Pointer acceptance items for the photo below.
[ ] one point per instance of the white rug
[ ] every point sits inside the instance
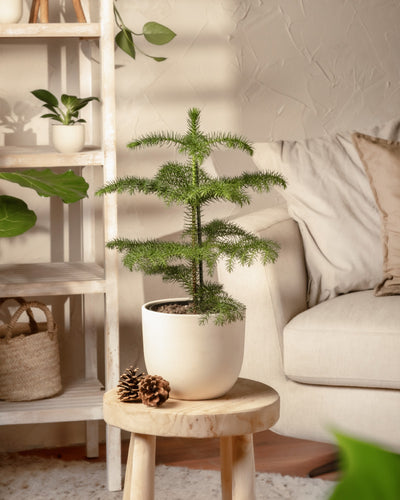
(32, 478)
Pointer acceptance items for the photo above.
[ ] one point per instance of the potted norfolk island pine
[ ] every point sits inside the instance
(196, 342)
(68, 133)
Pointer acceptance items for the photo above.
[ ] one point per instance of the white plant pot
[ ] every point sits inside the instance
(199, 361)
(68, 138)
(10, 11)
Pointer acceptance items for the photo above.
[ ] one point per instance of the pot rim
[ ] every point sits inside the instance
(70, 125)
(146, 307)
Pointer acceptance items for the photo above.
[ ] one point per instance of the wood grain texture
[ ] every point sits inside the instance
(50, 30)
(247, 408)
(46, 156)
(55, 278)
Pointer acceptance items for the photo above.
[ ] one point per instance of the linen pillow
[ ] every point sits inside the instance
(381, 160)
(330, 197)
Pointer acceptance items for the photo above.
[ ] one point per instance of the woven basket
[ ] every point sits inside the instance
(29, 357)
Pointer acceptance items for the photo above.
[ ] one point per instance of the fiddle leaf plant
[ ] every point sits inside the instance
(191, 261)
(15, 216)
(68, 114)
(154, 33)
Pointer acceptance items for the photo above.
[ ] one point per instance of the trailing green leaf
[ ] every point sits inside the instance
(157, 34)
(154, 33)
(124, 41)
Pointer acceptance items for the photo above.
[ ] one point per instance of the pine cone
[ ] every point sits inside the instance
(153, 390)
(128, 385)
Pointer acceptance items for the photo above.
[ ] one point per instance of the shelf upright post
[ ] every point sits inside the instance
(110, 232)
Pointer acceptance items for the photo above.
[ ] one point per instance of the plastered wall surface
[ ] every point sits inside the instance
(265, 69)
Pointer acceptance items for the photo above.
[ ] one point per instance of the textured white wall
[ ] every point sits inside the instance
(267, 69)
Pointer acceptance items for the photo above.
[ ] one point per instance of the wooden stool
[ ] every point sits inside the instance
(249, 407)
(43, 6)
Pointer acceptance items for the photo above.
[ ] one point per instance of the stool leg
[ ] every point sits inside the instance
(243, 469)
(226, 467)
(128, 473)
(140, 468)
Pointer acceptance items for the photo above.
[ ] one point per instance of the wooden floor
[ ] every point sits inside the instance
(273, 453)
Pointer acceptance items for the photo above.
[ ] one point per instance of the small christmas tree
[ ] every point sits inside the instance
(188, 261)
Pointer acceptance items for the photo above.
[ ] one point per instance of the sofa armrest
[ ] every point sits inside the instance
(273, 293)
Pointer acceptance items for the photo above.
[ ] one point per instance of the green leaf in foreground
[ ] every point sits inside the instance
(67, 186)
(15, 217)
(157, 34)
(369, 472)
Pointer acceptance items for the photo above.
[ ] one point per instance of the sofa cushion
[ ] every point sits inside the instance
(351, 340)
(329, 196)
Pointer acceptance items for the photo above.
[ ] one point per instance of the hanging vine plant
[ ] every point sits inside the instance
(153, 32)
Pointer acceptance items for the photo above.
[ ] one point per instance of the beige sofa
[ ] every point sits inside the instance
(336, 365)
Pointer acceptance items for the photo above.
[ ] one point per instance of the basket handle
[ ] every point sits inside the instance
(32, 322)
(51, 326)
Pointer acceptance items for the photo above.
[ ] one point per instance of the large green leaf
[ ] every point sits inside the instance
(157, 34)
(369, 472)
(15, 217)
(68, 186)
(74, 104)
(45, 96)
(124, 41)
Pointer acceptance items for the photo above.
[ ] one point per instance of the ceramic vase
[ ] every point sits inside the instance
(10, 11)
(68, 138)
(199, 361)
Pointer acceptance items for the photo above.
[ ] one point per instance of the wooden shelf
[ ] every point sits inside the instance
(46, 156)
(55, 278)
(80, 400)
(50, 30)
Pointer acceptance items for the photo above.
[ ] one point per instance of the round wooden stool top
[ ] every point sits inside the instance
(247, 408)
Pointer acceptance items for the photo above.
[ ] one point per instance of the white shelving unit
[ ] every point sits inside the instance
(81, 400)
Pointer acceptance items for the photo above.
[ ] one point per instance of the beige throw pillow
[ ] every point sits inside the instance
(330, 197)
(381, 159)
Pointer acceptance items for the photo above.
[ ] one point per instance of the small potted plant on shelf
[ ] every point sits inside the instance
(196, 343)
(68, 134)
(10, 11)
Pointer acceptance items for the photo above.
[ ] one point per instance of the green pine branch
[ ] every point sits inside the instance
(189, 261)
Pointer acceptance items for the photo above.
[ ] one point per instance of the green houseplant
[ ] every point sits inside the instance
(68, 135)
(191, 261)
(15, 216)
(154, 33)
(368, 471)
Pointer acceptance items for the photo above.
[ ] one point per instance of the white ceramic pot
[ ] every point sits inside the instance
(68, 138)
(199, 361)
(10, 11)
